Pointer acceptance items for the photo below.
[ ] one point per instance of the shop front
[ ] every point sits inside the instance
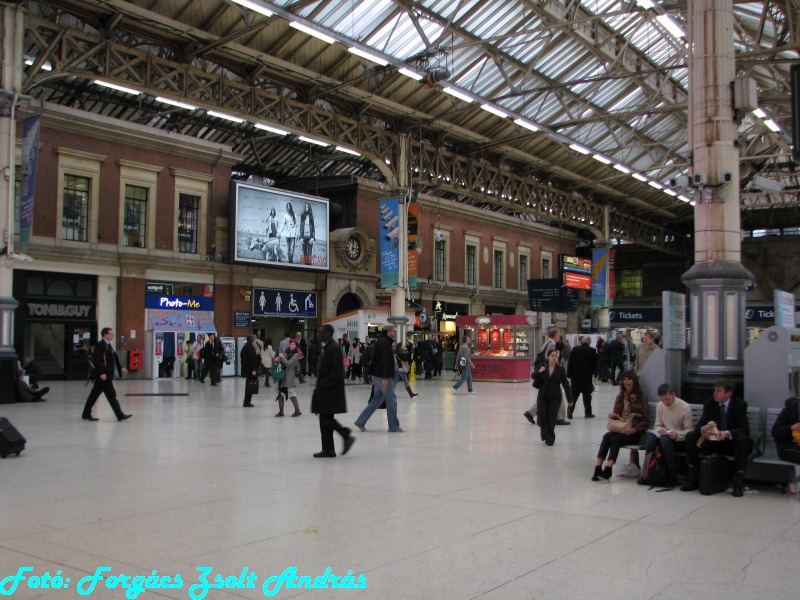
(502, 345)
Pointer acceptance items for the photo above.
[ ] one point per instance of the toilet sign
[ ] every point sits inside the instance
(284, 303)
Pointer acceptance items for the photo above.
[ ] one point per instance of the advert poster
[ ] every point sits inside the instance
(599, 277)
(278, 228)
(389, 219)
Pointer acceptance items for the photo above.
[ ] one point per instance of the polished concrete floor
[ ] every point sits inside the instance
(468, 503)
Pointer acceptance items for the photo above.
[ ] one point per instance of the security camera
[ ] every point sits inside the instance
(727, 177)
(699, 179)
(681, 182)
(20, 257)
(769, 186)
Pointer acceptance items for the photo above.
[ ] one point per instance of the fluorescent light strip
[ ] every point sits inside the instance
(760, 113)
(670, 193)
(411, 74)
(116, 87)
(456, 93)
(772, 125)
(622, 168)
(526, 124)
(255, 7)
(671, 25)
(347, 151)
(494, 110)
(46, 66)
(371, 57)
(579, 148)
(220, 115)
(684, 198)
(645, 4)
(270, 129)
(601, 158)
(639, 176)
(312, 32)
(176, 103)
(313, 141)
(655, 184)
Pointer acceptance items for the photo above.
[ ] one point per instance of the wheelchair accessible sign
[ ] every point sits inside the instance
(284, 303)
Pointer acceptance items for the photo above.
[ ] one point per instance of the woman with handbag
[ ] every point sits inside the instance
(549, 380)
(630, 418)
(286, 388)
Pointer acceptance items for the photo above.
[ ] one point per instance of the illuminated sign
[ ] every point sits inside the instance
(178, 302)
(578, 281)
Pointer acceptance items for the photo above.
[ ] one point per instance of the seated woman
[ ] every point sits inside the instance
(786, 431)
(630, 400)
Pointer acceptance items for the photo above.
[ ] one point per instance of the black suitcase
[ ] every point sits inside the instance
(11, 440)
(715, 474)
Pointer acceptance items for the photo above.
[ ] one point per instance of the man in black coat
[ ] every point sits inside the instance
(250, 361)
(580, 369)
(212, 359)
(328, 398)
(105, 362)
(383, 369)
(615, 350)
(729, 416)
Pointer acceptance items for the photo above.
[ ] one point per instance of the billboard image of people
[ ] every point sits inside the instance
(276, 227)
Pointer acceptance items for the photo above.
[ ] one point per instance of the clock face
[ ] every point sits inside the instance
(353, 249)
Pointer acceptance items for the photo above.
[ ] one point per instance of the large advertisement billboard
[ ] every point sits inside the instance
(273, 227)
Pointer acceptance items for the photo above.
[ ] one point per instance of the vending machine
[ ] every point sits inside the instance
(229, 366)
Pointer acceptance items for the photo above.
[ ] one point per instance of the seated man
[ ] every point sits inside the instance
(26, 393)
(786, 431)
(723, 429)
(33, 371)
(673, 423)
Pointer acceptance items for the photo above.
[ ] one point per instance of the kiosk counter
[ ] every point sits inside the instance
(501, 345)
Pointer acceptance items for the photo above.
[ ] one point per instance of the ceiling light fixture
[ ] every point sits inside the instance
(312, 32)
(270, 129)
(347, 151)
(639, 176)
(526, 124)
(313, 141)
(601, 158)
(116, 87)
(494, 110)
(259, 8)
(622, 168)
(412, 74)
(579, 148)
(456, 93)
(227, 117)
(176, 103)
(369, 56)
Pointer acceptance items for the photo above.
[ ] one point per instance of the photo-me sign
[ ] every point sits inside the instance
(59, 310)
(284, 303)
(179, 302)
(180, 313)
(274, 227)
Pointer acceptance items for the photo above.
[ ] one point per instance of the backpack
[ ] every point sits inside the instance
(654, 469)
(277, 372)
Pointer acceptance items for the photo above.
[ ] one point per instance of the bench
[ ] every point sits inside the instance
(697, 411)
(768, 466)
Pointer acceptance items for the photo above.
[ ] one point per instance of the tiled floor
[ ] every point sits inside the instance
(468, 503)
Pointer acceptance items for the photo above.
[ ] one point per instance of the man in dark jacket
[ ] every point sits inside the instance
(366, 359)
(106, 363)
(383, 369)
(615, 350)
(250, 361)
(212, 359)
(722, 429)
(783, 431)
(328, 398)
(580, 370)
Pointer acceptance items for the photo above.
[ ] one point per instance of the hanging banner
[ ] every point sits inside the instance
(599, 276)
(413, 259)
(673, 306)
(389, 219)
(30, 161)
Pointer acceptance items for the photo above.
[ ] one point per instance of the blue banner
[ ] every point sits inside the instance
(599, 276)
(167, 302)
(284, 303)
(30, 163)
(389, 219)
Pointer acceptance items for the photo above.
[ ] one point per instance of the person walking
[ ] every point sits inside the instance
(382, 372)
(549, 380)
(193, 362)
(250, 360)
(465, 364)
(403, 361)
(580, 370)
(354, 356)
(289, 360)
(106, 363)
(302, 347)
(267, 358)
(329, 397)
(212, 357)
(553, 338)
(313, 358)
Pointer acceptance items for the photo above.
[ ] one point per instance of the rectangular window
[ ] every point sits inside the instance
(523, 272)
(188, 209)
(438, 260)
(629, 283)
(546, 268)
(498, 268)
(470, 263)
(135, 222)
(75, 211)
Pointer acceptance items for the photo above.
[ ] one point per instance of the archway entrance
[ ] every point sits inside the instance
(348, 303)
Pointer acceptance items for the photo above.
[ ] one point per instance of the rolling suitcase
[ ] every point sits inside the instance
(715, 474)
(11, 440)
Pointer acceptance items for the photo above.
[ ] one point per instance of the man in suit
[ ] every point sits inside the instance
(250, 361)
(728, 416)
(580, 370)
(328, 398)
(212, 359)
(106, 363)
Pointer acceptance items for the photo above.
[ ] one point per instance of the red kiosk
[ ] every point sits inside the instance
(502, 345)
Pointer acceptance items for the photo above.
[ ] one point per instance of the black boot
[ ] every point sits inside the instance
(410, 393)
(597, 471)
(691, 483)
(738, 484)
(606, 474)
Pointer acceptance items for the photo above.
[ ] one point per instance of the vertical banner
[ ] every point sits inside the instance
(611, 280)
(673, 317)
(389, 219)
(30, 162)
(413, 232)
(784, 308)
(599, 276)
(413, 259)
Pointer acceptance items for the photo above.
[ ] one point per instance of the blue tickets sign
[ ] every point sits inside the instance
(284, 303)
